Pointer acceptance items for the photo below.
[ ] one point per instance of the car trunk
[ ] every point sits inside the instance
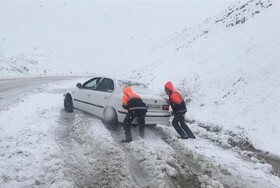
(154, 103)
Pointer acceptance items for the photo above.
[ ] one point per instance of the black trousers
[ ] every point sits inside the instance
(182, 129)
(140, 114)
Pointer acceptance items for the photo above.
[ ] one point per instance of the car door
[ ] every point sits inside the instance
(82, 95)
(100, 96)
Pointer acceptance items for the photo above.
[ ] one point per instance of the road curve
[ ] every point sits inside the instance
(11, 89)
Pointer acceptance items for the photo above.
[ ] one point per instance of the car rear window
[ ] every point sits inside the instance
(124, 83)
(135, 86)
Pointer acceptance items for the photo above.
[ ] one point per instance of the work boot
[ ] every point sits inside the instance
(185, 137)
(128, 136)
(181, 132)
(187, 130)
(126, 141)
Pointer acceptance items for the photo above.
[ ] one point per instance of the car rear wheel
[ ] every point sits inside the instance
(110, 117)
(68, 103)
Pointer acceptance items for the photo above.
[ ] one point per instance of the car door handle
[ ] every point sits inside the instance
(88, 95)
(106, 97)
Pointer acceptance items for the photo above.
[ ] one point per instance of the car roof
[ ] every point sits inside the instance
(118, 78)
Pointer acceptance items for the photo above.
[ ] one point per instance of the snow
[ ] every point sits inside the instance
(29, 153)
(231, 73)
(227, 67)
(42, 145)
(229, 162)
(91, 36)
(21, 65)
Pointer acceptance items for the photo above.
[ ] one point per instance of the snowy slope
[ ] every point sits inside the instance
(229, 66)
(32, 65)
(21, 65)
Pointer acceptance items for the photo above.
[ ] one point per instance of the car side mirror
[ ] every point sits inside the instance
(79, 85)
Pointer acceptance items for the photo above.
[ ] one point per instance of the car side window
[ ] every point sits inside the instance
(92, 84)
(106, 85)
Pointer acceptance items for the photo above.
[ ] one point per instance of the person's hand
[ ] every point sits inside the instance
(172, 113)
(168, 101)
(124, 106)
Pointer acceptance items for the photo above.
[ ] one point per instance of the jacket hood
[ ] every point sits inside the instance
(127, 90)
(169, 86)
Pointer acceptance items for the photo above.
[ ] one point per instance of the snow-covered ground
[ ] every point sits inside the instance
(43, 146)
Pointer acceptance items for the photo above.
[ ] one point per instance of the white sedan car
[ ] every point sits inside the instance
(102, 97)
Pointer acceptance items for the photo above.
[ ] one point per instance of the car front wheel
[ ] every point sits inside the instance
(68, 103)
(110, 117)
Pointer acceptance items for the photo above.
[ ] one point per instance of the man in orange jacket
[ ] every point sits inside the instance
(178, 106)
(136, 108)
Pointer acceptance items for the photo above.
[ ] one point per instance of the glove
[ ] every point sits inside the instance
(124, 106)
(172, 113)
(168, 101)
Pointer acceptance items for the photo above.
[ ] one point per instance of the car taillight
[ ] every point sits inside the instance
(165, 107)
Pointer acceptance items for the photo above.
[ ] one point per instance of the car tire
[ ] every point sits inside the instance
(110, 117)
(68, 103)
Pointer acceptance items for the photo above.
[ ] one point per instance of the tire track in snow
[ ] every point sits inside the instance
(191, 162)
(225, 166)
(210, 175)
(238, 142)
(138, 173)
(93, 162)
(153, 157)
(92, 158)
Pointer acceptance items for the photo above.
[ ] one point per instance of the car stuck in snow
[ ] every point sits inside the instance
(102, 97)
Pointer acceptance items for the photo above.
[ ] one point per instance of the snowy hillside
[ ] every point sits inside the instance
(229, 66)
(20, 65)
(23, 65)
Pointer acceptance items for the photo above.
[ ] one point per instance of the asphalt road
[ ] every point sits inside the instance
(10, 89)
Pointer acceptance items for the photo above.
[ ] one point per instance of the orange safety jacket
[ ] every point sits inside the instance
(132, 101)
(128, 95)
(177, 102)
